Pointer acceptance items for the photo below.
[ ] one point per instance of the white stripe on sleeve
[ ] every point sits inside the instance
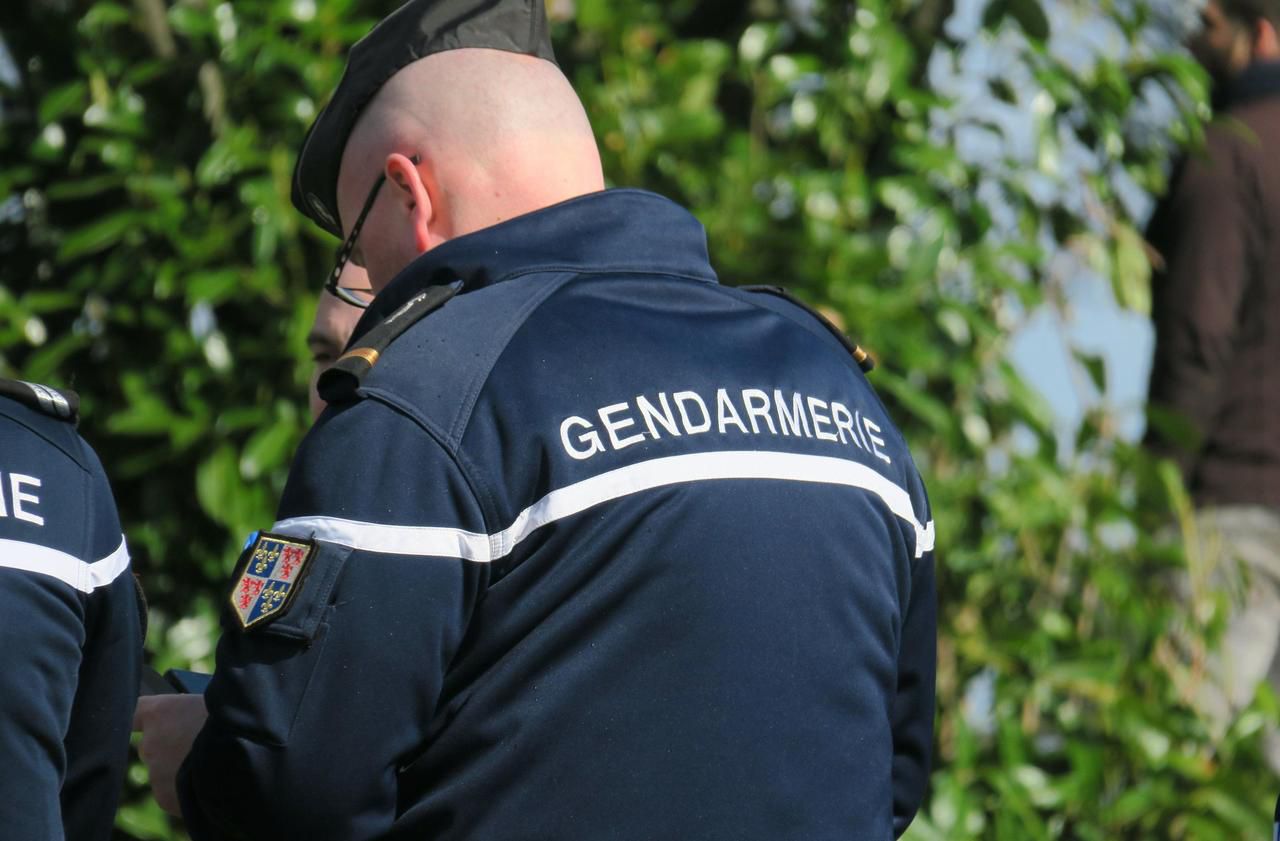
(614, 484)
(85, 577)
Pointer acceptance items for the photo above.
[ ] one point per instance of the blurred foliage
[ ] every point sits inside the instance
(149, 258)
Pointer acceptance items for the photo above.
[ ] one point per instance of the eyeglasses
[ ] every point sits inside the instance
(331, 286)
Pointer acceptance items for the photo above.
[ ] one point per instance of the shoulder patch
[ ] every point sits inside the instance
(58, 403)
(271, 573)
(339, 382)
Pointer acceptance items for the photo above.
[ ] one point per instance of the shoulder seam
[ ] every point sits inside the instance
(91, 513)
(74, 458)
(826, 336)
(466, 406)
(463, 419)
(478, 494)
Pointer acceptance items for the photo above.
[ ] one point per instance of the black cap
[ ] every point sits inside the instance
(416, 30)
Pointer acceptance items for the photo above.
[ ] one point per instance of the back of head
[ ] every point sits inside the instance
(459, 106)
(496, 130)
(1248, 13)
(1234, 35)
(492, 135)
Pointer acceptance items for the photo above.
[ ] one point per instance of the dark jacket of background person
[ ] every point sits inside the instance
(1217, 304)
(603, 549)
(70, 634)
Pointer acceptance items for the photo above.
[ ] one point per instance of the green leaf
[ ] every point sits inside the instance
(1096, 366)
(98, 235)
(1132, 274)
(62, 102)
(213, 287)
(84, 187)
(933, 412)
(1028, 14)
(1240, 816)
(268, 449)
(145, 821)
(230, 155)
(218, 483)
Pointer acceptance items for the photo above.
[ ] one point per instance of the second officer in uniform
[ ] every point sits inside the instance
(70, 626)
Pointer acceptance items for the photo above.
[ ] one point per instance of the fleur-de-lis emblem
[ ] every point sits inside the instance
(271, 575)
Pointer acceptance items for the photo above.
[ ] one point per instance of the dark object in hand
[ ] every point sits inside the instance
(173, 681)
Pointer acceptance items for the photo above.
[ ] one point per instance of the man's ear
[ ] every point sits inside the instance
(1266, 44)
(413, 197)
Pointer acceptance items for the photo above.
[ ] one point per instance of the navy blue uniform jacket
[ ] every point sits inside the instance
(70, 635)
(606, 551)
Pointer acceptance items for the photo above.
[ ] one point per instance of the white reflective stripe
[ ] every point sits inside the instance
(393, 540)
(85, 577)
(624, 481)
(924, 539)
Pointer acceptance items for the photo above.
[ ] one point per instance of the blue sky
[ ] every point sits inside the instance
(1002, 140)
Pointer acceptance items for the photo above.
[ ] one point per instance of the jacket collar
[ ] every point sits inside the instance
(611, 231)
(1259, 80)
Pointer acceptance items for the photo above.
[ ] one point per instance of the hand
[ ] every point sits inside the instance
(169, 724)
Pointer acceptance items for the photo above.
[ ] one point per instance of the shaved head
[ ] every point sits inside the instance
(495, 134)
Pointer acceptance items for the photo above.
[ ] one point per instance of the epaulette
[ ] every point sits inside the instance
(55, 402)
(339, 383)
(864, 360)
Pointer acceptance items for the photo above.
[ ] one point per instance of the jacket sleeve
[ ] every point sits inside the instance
(97, 739)
(914, 702)
(59, 544)
(312, 715)
(41, 630)
(1209, 241)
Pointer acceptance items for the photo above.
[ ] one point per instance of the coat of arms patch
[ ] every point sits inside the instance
(273, 568)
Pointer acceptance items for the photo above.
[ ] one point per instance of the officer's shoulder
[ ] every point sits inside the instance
(438, 348)
(56, 403)
(47, 412)
(783, 302)
(341, 382)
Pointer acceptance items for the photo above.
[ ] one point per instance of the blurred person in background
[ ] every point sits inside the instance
(1214, 393)
(334, 322)
(71, 626)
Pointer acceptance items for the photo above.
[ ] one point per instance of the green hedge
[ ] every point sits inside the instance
(149, 258)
